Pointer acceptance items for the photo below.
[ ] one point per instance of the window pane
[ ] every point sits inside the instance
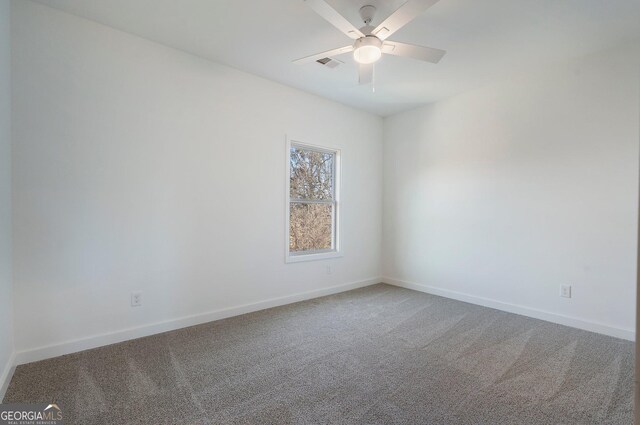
(311, 174)
(310, 227)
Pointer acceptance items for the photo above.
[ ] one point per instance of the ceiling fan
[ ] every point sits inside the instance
(371, 42)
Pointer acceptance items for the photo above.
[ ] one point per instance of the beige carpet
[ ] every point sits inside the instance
(377, 355)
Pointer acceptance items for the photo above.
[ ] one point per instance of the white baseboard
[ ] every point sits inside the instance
(68, 347)
(574, 322)
(7, 374)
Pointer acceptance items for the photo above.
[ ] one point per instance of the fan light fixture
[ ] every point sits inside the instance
(367, 50)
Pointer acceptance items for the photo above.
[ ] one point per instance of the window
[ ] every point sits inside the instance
(312, 204)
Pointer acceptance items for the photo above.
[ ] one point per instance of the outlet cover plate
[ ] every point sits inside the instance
(565, 291)
(136, 299)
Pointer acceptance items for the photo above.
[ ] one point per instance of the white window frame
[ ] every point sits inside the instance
(295, 257)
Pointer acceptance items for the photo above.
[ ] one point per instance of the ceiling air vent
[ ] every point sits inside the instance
(331, 63)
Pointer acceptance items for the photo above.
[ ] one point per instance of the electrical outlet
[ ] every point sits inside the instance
(136, 299)
(329, 269)
(565, 291)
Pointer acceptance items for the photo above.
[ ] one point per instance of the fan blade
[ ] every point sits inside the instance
(327, 54)
(427, 54)
(365, 74)
(337, 20)
(405, 14)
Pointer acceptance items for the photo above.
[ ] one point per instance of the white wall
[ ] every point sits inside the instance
(6, 297)
(507, 192)
(138, 167)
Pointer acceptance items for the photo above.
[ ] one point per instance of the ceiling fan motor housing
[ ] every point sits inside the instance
(369, 40)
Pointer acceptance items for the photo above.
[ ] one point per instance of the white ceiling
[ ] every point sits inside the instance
(486, 40)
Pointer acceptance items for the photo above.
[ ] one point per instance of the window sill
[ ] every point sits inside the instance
(312, 257)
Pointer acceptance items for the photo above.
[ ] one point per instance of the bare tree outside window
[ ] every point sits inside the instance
(312, 200)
